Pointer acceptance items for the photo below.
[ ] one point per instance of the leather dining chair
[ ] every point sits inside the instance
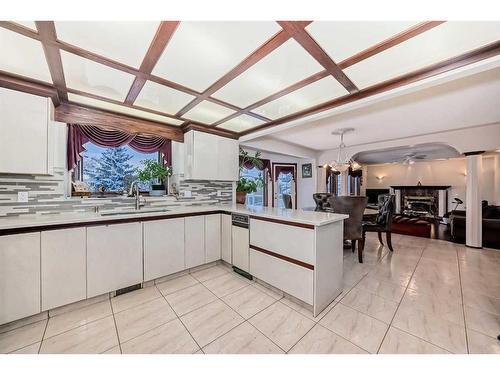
(287, 200)
(383, 222)
(322, 201)
(353, 231)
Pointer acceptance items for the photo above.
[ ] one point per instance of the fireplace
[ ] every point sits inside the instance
(421, 201)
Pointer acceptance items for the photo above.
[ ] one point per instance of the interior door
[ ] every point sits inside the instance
(284, 182)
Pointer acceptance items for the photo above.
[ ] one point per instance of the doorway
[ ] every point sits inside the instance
(284, 182)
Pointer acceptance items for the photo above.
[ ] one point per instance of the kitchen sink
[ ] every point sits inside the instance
(133, 212)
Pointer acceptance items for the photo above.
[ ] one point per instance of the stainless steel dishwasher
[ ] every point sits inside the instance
(240, 237)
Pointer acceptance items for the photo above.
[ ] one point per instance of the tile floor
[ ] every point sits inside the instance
(429, 296)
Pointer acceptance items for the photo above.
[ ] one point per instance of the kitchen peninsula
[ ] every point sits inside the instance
(298, 252)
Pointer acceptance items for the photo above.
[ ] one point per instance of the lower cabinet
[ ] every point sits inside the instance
(19, 276)
(194, 230)
(64, 268)
(212, 238)
(114, 257)
(163, 247)
(226, 248)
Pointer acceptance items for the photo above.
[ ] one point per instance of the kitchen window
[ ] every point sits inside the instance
(257, 198)
(113, 168)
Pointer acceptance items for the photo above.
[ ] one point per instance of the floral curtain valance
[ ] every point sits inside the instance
(266, 165)
(285, 169)
(78, 135)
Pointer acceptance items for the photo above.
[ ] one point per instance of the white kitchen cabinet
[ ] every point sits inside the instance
(163, 247)
(114, 257)
(226, 248)
(240, 246)
(210, 157)
(212, 238)
(63, 267)
(19, 276)
(194, 231)
(26, 127)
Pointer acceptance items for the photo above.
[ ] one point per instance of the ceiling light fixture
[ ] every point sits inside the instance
(343, 163)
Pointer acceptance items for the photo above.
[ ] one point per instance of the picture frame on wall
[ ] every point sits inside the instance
(307, 170)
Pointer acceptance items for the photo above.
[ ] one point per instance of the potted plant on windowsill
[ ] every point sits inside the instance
(155, 174)
(245, 185)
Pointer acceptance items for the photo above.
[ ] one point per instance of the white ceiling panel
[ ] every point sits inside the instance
(122, 109)
(318, 92)
(88, 76)
(125, 42)
(241, 123)
(162, 98)
(23, 56)
(440, 43)
(208, 112)
(283, 67)
(343, 39)
(28, 24)
(199, 53)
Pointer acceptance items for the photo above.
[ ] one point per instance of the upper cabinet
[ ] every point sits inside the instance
(210, 157)
(26, 144)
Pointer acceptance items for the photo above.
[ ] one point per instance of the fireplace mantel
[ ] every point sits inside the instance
(430, 187)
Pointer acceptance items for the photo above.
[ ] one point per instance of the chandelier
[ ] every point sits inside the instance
(343, 163)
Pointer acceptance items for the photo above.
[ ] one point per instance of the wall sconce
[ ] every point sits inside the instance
(379, 178)
(464, 174)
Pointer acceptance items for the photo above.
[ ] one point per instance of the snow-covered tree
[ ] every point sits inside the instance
(111, 170)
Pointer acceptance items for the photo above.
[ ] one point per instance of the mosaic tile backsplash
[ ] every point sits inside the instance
(46, 196)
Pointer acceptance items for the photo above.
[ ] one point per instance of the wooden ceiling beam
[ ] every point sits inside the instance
(47, 32)
(490, 50)
(297, 31)
(27, 85)
(264, 50)
(156, 48)
(210, 130)
(80, 114)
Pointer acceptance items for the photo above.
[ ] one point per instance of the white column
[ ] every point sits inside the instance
(473, 223)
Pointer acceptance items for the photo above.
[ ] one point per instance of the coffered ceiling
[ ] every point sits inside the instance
(233, 77)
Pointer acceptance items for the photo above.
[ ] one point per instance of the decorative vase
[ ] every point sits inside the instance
(241, 197)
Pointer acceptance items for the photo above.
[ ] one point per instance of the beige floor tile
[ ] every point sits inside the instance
(430, 327)
(189, 299)
(170, 338)
(76, 318)
(23, 322)
(78, 305)
(174, 285)
(248, 301)
(132, 299)
(96, 337)
(396, 275)
(211, 321)
(226, 284)
(320, 340)
(113, 350)
(436, 288)
(384, 289)
(21, 337)
(482, 321)
(482, 344)
(482, 302)
(359, 328)
(283, 325)
(210, 273)
(244, 339)
(370, 304)
(400, 342)
(448, 309)
(306, 310)
(270, 291)
(30, 349)
(137, 320)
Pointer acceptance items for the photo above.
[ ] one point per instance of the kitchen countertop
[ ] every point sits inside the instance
(63, 219)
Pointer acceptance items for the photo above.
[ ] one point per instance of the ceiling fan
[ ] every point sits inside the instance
(411, 157)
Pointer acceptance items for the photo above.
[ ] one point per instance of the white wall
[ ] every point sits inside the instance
(446, 172)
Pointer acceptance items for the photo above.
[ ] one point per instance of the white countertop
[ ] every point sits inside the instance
(296, 216)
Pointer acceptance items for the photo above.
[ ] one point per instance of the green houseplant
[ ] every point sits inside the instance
(154, 173)
(245, 185)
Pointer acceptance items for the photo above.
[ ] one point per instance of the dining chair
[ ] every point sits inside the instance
(383, 222)
(321, 200)
(354, 207)
(287, 200)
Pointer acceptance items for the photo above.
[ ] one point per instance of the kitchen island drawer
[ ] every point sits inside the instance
(291, 278)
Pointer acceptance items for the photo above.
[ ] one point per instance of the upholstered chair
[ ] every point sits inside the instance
(383, 223)
(355, 208)
(322, 201)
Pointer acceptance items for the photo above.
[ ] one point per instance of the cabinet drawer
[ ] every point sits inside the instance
(291, 241)
(291, 278)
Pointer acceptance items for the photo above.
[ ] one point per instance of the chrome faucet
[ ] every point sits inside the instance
(134, 192)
